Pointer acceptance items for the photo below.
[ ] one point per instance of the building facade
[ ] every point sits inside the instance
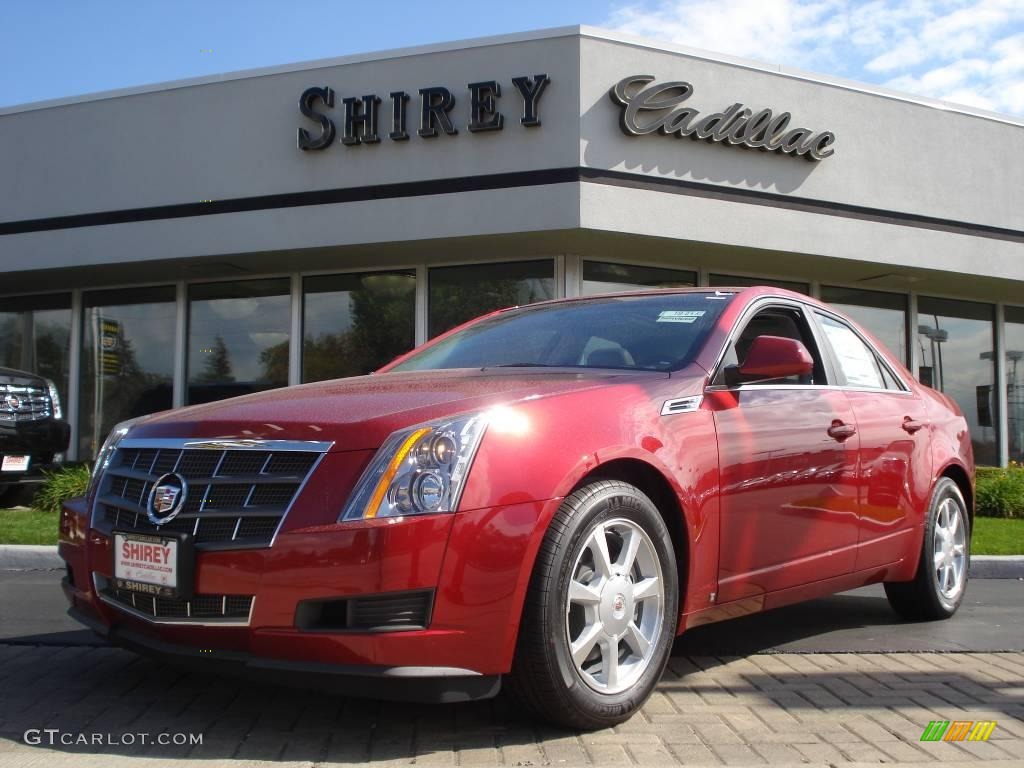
(181, 243)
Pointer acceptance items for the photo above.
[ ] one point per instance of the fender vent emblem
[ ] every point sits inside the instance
(681, 405)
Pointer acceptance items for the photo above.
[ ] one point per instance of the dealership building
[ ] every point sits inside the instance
(190, 241)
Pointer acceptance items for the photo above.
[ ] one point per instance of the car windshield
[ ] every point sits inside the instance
(649, 332)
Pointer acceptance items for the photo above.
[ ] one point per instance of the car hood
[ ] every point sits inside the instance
(20, 378)
(359, 413)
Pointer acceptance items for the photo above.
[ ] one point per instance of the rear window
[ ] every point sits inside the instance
(657, 332)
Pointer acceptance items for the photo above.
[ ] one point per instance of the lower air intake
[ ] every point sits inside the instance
(391, 612)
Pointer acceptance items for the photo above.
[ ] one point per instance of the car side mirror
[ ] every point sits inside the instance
(771, 357)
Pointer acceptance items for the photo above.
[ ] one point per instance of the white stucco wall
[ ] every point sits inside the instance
(234, 137)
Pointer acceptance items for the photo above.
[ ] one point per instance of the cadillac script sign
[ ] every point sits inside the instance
(659, 108)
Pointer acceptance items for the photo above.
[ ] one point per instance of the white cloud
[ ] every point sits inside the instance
(966, 51)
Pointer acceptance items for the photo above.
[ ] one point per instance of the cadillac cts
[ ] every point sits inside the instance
(545, 496)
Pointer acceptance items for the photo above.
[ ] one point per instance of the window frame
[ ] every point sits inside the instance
(716, 377)
(880, 360)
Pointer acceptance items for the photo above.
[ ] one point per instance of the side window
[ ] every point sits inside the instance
(786, 322)
(856, 359)
(889, 379)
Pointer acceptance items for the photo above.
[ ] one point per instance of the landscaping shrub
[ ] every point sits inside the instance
(60, 486)
(1000, 492)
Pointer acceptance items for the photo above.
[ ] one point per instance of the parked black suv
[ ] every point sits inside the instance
(32, 431)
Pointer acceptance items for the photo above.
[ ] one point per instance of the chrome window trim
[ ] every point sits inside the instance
(765, 302)
(878, 355)
(761, 302)
(189, 622)
(816, 387)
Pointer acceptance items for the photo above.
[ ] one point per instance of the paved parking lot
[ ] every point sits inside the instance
(771, 708)
(734, 694)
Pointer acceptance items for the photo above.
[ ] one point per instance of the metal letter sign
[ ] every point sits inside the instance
(437, 108)
(650, 108)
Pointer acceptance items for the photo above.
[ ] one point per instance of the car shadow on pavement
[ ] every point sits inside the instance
(788, 626)
(113, 693)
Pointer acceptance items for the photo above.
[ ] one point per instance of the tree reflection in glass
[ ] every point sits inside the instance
(355, 323)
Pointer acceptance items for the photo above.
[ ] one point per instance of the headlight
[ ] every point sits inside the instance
(107, 452)
(54, 400)
(418, 471)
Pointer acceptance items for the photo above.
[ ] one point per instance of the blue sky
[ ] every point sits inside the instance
(965, 51)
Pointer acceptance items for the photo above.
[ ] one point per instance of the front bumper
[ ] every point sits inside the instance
(473, 562)
(413, 684)
(42, 440)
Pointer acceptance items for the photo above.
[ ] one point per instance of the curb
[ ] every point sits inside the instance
(26, 557)
(997, 567)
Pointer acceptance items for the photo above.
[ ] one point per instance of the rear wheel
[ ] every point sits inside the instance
(938, 588)
(601, 613)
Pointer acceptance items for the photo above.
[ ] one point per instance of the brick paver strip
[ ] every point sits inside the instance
(783, 709)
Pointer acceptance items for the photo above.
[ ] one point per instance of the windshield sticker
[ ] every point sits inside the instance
(680, 315)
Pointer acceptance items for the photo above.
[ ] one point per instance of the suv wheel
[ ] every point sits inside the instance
(938, 588)
(602, 609)
(11, 496)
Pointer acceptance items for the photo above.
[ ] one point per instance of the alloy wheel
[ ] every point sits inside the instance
(614, 606)
(950, 549)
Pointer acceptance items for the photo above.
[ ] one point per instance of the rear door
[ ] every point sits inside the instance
(788, 460)
(895, 464)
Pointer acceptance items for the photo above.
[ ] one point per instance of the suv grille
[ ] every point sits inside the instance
(236, 497)
(19, 404)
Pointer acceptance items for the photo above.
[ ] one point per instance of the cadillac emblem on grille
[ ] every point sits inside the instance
(167, 498)
(13, 402)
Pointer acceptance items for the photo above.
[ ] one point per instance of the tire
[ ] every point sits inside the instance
(940, 583)
(609, 610)
(12, 496)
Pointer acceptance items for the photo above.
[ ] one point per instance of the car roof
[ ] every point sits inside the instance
(746, 292)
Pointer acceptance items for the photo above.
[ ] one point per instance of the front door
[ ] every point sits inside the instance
(788, 462)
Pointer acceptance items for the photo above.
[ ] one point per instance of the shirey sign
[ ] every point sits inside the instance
(648, 108)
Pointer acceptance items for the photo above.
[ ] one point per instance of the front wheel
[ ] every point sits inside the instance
(12, 496)
(602, 609)
(938, 588)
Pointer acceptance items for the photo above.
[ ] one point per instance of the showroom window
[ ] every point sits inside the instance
(728, 281)
(127, 360)
(955, 341)
(884, 315)
(1014, 324)
(238, 338)
(605, 277)
(354, 324)
(458, 294)
(35, 336)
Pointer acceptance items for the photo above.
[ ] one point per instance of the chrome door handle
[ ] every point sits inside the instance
(840, 431)
(911, 425)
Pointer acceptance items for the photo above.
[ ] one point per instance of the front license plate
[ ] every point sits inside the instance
(15, 464)
(157, 564)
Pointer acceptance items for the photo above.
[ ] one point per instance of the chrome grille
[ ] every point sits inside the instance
(237, 496)
(19, 403)
(213, 609)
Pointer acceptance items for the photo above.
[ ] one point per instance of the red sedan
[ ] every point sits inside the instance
(547, 495)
